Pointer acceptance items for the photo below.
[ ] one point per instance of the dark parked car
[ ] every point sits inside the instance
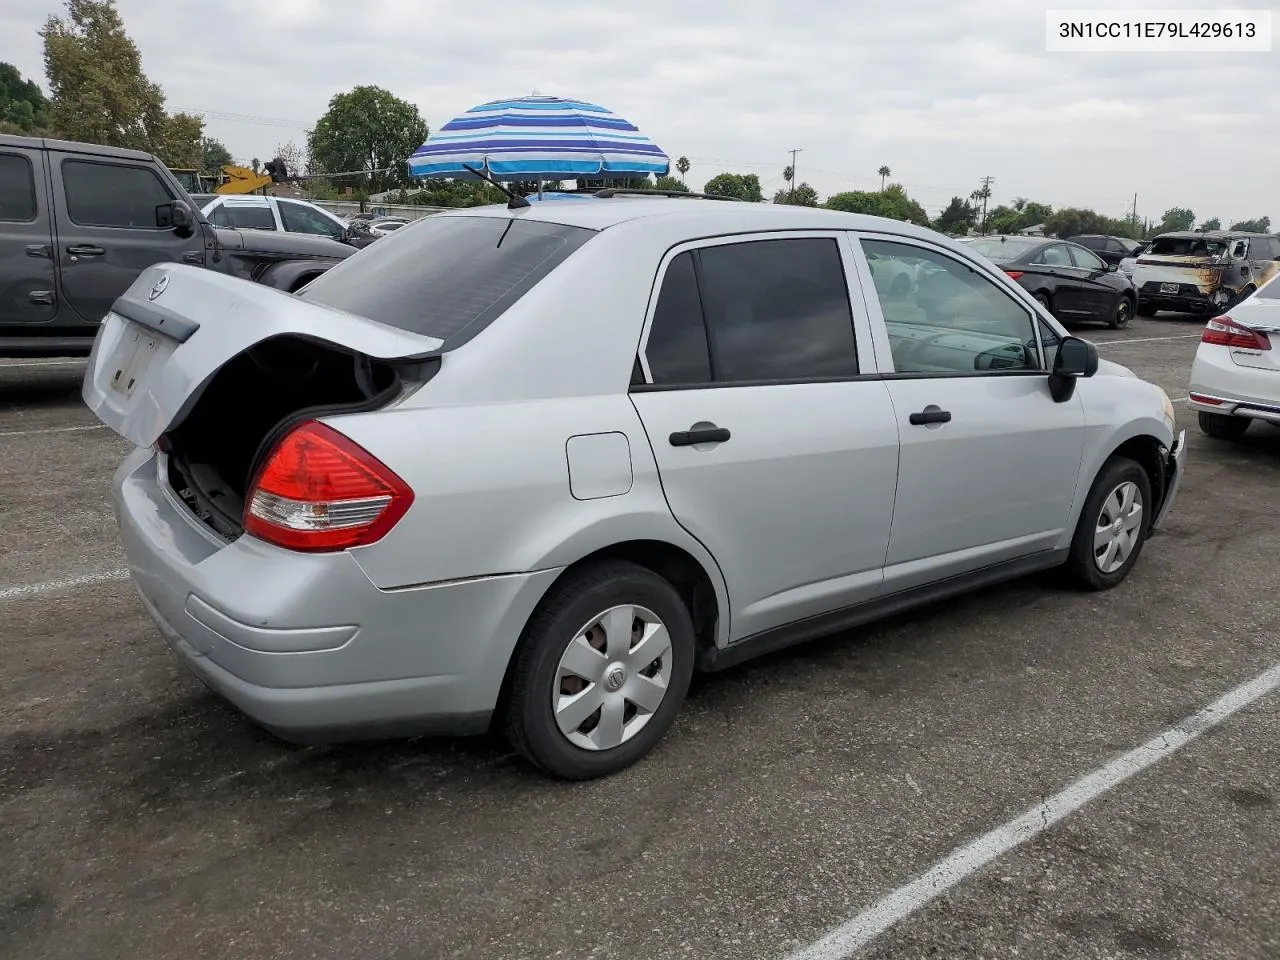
(79, 222)
(1110, 249)
(1070, 281)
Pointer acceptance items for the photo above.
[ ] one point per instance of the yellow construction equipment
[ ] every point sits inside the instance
(242, 180)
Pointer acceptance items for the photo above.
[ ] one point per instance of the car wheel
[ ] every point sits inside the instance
(1222, 426)
(1146, 310)
(1122, 314)
(1113, 526)
(601, 671)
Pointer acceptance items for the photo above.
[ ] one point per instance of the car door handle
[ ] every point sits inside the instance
(194, 256)
(687, 438)
(85, 250)
(930, 414)
(40, 250)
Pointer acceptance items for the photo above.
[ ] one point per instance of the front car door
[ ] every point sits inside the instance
(301, 218)
(107, 228)
(27, 281)
(774, 437)
(989, 461)
(1097, 290)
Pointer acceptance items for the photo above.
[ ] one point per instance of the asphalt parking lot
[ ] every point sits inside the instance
(142, 817)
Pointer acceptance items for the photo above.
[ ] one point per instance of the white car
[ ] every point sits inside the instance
(274, 213)
(1235, 378)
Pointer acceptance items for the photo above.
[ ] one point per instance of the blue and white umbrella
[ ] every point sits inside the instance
(538, 138)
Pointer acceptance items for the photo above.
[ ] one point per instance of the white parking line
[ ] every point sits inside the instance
(860, 930)
(1181, 336)
(53, 586)
(45, 363)
(27, 433)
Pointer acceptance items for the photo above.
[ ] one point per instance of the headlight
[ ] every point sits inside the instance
(1168, 407)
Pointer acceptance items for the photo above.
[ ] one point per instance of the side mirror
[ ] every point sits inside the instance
(1112, 267)
(1076, 358)
(176, 216)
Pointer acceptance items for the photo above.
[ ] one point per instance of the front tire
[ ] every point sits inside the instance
(1113, 526)
(1221, 426)
(601, 671)
(1146, 310)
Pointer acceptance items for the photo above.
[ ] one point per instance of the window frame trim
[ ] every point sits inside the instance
(1102, 264)
(100, 162)
(999, 280)
(864, 354)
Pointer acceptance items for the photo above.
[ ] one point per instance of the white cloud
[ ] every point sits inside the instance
(943, 92)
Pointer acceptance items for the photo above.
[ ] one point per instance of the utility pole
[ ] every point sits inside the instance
(794, 151)
(1134, 216)
(985, 193)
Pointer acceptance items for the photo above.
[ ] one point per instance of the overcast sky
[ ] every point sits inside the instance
(942, 91)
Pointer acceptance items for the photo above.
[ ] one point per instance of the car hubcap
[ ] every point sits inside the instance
(612, 678)
(1118, 528)
(1122, 313)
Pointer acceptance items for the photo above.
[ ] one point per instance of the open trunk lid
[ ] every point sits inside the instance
(177, 325)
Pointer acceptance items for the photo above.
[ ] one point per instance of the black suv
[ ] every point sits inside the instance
(1110, 249)
(79, 222)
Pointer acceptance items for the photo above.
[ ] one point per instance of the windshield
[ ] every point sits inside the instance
(1005, 248)
(1187, 247)
(447, 277)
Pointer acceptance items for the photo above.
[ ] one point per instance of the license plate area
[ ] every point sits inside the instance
(1170, 287)
(130, 359)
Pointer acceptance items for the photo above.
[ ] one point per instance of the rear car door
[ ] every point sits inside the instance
(773, 435)
(27, 280)
(1264, 252)
(1097, 294)
(107, 228)
(989, 460)
(1068, 293)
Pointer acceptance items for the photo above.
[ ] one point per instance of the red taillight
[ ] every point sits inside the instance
(1225, 332)
(1014, 274)
(318, 490)
(1211, 401)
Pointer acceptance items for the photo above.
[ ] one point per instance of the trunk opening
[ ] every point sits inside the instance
(214, 451)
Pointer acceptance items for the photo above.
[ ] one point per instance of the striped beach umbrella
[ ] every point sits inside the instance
(538, 138)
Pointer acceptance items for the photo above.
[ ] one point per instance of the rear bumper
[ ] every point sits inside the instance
(305, 644)
(1179, 304)
(1173, 470)
(1220, 385)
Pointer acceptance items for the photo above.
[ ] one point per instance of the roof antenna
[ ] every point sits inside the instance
(514, 203)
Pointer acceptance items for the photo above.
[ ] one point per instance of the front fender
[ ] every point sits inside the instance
(287, 274)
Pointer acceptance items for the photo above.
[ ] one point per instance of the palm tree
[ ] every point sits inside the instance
(682, 166)
(884, 173)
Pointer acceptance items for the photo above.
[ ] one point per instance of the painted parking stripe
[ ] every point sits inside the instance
(24, 590)
(1181, 336)
(855, 933)
(37, 430)
(45, 363)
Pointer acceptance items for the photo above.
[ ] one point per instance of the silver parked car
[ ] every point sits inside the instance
(538, 465)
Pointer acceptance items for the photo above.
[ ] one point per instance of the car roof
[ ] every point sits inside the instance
(68, 146)
(731, 217)
(1210, 234)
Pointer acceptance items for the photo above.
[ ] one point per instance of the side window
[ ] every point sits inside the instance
(777, 310)
(677, 346)
(17, 189)
(1115, 246)
(1093, 243)
(112, 195)
(955, 320)
(250, 218)
(1049, 338)
(1240, 249)
(301, 219)
(1054, 255)
(1083, 258)
(218, 216)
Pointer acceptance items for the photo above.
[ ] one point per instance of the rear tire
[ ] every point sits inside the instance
(1111, 532)
(1222, 426)
(569, 657)
(1122, 314)
(1043, 300)
(1146, 310)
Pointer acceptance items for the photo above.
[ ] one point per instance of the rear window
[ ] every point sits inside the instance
(17, 188)
(246, 217)
(447, 277)
(1006, 248)
(1186, 247)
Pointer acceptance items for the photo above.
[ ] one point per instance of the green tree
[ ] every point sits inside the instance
(670, 183)
(802, 195)
(295, 158)
(456, 193)
(22, 103)
(1072, 221)
(99, 94)
(682, 167)
(1022, 214)
(1213, 223)
(1176, 218)
(892, 202)
(743, 186)
(1261, 225)
(603, 183)
(368, 129)
(214, 155)
(956, 218)
(885, 173)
